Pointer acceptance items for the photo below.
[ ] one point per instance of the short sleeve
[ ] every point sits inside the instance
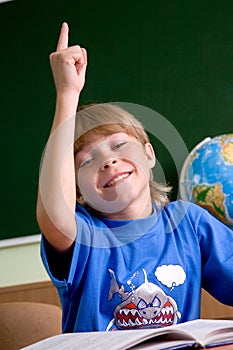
(216, 244)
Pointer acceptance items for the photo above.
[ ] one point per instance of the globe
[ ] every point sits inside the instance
(206, 177)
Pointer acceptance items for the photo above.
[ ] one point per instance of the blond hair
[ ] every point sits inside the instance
(107, 119)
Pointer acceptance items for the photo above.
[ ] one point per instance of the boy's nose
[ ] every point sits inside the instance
(108, 163)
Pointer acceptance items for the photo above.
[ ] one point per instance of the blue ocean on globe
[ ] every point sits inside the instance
(207, 177)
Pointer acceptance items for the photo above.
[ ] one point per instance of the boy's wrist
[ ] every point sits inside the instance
(68, 95)
(68, 101)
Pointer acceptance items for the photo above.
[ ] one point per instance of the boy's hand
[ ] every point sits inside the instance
(68, 64)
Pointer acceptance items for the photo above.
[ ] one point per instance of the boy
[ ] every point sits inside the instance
(120, 255)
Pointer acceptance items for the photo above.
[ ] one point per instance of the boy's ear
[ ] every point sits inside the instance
(79, 197)
(150, 154)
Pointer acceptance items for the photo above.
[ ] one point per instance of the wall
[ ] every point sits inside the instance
(20, 261)
(174, 57)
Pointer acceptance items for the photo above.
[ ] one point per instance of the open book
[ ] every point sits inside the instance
(198, 334)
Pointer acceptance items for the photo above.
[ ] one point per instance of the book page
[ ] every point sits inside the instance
(197, 331)
(209, 331)
(167, 341)
(166, 345)
(118, 340)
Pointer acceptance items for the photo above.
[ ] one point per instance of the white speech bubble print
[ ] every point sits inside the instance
(170, 275)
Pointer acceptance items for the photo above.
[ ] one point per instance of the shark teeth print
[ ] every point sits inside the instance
(129, 317)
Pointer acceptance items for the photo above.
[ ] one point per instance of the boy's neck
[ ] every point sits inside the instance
(132, 212)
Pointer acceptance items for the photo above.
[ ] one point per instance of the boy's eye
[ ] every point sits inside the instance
(118, 145)
(86, 162)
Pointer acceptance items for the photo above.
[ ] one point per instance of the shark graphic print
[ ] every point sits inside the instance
(146, 306)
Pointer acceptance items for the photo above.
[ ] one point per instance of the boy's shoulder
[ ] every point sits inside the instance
(180, 212)
(187, 207)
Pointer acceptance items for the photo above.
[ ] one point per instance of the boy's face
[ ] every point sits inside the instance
(113, 173)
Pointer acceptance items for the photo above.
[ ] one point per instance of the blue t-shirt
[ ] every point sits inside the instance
(143, 273)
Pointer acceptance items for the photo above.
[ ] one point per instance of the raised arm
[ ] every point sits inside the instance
(57, 190)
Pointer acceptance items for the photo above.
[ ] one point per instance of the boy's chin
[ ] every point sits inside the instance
(111, 206)
(113, 200)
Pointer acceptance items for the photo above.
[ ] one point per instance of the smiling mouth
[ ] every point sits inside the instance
(117, 179)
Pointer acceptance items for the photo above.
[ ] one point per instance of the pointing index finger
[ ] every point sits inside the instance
(63, 37)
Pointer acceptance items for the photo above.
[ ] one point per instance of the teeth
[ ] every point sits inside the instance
(165, 318)
(151, 321)
(127, 311)
(118, 178)
(137, 322)
(125, 323)
(131, 323)
(134, 311)
(169, 310)
(144, 321)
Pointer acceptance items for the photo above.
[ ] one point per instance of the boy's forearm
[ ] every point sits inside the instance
(57, 190)
(66, 107)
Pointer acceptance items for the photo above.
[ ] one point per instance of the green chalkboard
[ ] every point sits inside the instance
(171, 56)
